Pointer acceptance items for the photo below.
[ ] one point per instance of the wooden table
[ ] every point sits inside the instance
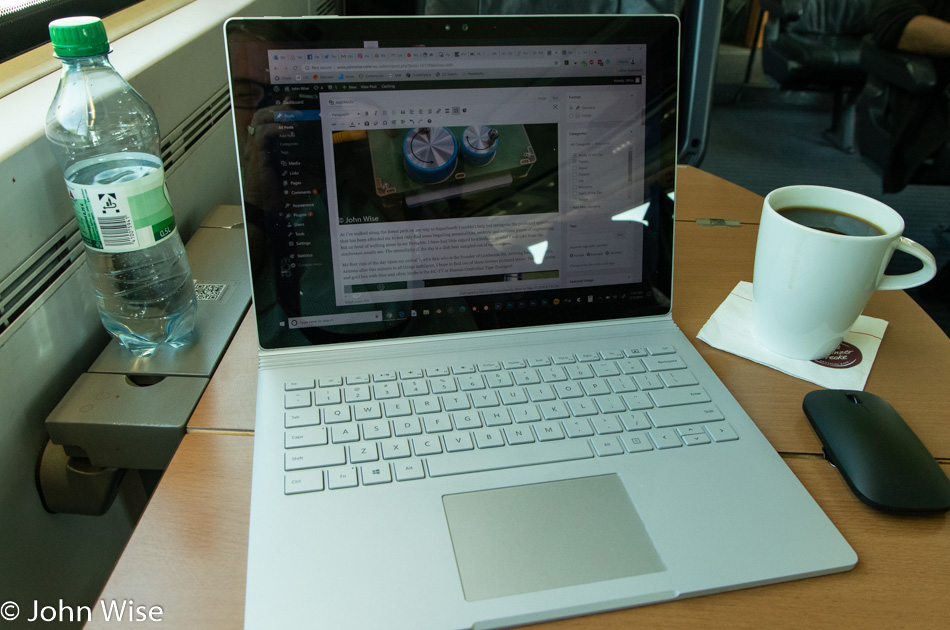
(188, 553)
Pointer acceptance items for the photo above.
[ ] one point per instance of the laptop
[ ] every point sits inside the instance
(474, 409)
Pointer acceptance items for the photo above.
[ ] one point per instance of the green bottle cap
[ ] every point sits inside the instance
(78, 36)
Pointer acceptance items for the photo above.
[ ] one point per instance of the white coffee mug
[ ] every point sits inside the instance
(811, 285)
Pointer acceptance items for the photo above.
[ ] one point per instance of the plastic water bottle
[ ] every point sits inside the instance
(105, 137)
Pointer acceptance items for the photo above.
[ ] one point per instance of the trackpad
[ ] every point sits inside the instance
(548, 535)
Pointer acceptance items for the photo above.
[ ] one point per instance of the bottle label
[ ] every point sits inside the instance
(130, 214)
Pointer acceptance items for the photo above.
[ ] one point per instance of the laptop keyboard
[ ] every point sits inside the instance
(391, 427)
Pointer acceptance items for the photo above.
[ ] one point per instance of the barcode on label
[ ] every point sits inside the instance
(116, 231)
(209, 291)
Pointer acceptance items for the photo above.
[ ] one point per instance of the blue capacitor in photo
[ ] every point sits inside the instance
(430, 154)
(479, 143)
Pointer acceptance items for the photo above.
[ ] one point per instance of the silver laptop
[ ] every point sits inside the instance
(474, 408)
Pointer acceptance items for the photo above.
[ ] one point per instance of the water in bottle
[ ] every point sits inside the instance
(105, 137)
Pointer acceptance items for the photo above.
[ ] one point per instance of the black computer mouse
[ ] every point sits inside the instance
(880, 457)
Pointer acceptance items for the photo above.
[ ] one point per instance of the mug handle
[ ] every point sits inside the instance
(915, 278)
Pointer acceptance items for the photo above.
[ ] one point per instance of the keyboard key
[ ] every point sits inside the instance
(518, 435)
(426, 404)
(540, 393)
(367, 411)
(466, 420)
(337, 413)
(303, 481)
(314, 457)
(488, 366)
(374, 474)
(496, 459)
(655, 350)
(512, 396)
(483, 399)
(384, 391)
(408, 469)
(563, 359)
(496, 417)
(327, 397)
(579, 371)
(568, 390)
(655, 364)
(610, 404)
(622, 384)
(463, 369)
(578, 427)
(549, 431)
(689, 414)
(415, 388)
(679, 378)
(456, 402)
(554, 411)
(428, 445)
(635, 352)
(443, 385)
(605, 368)
(499, 379)
(636, 442)
(525, 413)
(457, 442)
(582, 407)
(296, 385)
(721, 432)
(384, 377)
(395, 448)
(396, 408)
(437, 423)
(634, 421)
(305, 436)
(343, 477)
(296, 400)
(362, 453)
(407, 426)
(587, 357)
(527, 376)
(648, 381)
(608, 445)
(356, 393)
(409, 374)
(376, 430)
(331, 381)
(637, 400)
(679, 396)
(358, 379)
(471, 382)
(606, 424)
(433, 372)
(631, 366)
(488, 438)
(665, 438)
(344, 433)
(552, 374)
(695, 439)
(301, 417)
(595, 387)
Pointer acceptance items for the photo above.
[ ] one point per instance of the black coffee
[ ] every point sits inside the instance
(828, 220)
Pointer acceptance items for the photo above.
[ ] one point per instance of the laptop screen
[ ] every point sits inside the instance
(416, 176)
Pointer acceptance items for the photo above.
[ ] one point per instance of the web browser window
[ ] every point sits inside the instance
(437, 181)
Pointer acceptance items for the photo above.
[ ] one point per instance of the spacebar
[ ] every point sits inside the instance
(508, 457)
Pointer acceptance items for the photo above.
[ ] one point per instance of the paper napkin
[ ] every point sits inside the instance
(730, 329)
